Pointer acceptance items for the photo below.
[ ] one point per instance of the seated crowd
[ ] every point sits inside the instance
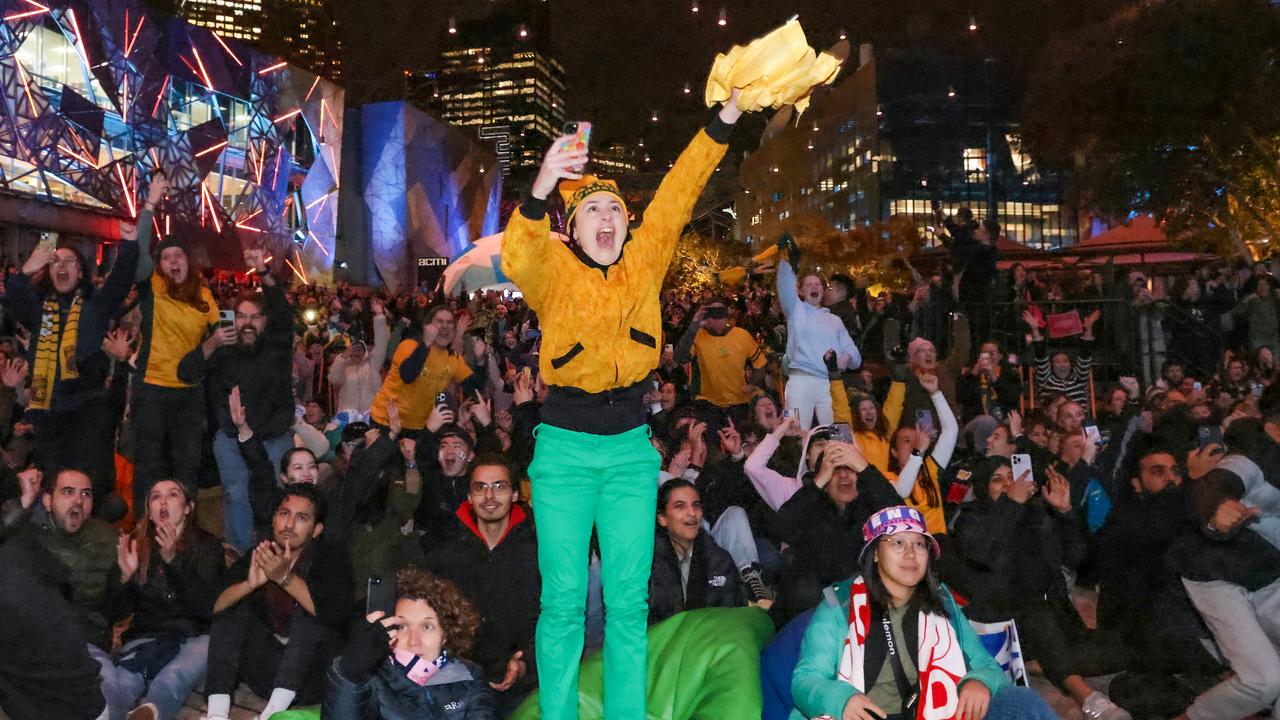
(322, 493)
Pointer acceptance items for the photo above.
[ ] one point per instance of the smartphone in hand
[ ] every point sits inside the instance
(380, 594)
(924, 420)
(1021, 464)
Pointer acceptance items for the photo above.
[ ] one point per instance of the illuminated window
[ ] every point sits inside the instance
(975, 164)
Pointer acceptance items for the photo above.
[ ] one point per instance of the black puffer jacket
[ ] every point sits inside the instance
(177, 599)
(457, 691)
(713, 579)
(1014, 552)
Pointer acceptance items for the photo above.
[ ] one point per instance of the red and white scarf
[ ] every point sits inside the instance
(939, 657)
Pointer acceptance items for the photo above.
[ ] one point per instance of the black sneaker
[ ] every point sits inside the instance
(754, 580)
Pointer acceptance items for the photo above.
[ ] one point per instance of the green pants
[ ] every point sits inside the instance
(582, 480)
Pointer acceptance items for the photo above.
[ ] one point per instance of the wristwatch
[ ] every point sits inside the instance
(284, 581)
(916, 452)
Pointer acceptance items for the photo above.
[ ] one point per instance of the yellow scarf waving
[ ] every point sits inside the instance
(55, 351)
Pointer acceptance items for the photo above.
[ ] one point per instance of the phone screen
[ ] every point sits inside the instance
(227, 318)
(1021, 464)
(1091, 432)
(924, 420)
(380, 595)
(1208, 435)
(844, 433)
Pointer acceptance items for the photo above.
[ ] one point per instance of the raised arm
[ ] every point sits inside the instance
(774, 487)
(655, 242)
(787, 295)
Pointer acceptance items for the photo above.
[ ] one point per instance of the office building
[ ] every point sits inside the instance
(899, 132)
(498, 77)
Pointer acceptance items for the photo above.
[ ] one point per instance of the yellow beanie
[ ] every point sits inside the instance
(575, 191)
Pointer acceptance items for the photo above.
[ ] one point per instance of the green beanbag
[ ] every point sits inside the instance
(300, 714)
(703, 665)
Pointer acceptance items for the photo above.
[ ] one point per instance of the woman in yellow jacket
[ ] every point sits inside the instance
(597, 301)
(915, 475)
(178, 314)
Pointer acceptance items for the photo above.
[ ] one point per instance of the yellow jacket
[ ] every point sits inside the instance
(601, 331)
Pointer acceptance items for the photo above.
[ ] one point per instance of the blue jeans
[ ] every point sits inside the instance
(168, 690)
(237, 511)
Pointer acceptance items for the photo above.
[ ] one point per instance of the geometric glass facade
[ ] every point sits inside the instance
(98, 95)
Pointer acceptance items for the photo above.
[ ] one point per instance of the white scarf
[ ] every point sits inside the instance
(939, 656)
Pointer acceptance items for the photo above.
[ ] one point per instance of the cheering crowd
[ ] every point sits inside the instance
(325, 493)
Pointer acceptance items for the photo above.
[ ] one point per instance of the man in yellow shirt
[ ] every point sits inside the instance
(725, 355)
(421, 369)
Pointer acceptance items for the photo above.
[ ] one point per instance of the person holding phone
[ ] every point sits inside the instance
(892, 644)
(421, 368)
(260, 365)
(916, 475)
(593, 462)
(1014, 541)
(54, 297)
(411, 664)
(725, 355)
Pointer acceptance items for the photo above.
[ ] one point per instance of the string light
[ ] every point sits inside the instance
(687, 89)
(724, 17)
(973, 23)
(694, 7)
(951, 91)
(453, 26)
(879, 111)
(654, 116)
(843, 34)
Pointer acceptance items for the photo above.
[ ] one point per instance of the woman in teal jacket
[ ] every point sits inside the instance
(878, 638)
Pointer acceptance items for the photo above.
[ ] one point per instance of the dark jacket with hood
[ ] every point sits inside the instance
(503, 583)
(1013, 552)
(713, 578)
(457, 691)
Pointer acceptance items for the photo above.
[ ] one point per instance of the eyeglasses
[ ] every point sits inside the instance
(899, 545)
(497, 488)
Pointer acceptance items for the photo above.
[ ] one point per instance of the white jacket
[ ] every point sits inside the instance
(358, 384)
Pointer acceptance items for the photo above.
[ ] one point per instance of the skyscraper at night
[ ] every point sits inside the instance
(497, 76)
(304, 32)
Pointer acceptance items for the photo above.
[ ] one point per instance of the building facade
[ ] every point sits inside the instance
(900, 133)
(497, 76)
(238, 19)
(98, 96)
(304, 32)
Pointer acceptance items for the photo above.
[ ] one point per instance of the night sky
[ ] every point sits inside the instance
(627, 58)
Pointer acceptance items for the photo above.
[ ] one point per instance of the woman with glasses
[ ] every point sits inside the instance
(880, 639)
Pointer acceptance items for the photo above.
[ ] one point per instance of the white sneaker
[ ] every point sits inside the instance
(1099, 707)
(145, 711)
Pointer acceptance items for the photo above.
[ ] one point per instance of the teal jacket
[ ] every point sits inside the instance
(814, 687)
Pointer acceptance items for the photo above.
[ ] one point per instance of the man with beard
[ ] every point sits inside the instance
(54, 299)
(80, 553)
(260, 364)
(277, 623)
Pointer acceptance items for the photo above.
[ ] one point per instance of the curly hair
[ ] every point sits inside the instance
(458, 617)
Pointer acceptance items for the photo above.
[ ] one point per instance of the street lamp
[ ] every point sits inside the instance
(523, 32)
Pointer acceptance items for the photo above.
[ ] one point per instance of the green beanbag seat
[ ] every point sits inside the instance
(703, 665)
